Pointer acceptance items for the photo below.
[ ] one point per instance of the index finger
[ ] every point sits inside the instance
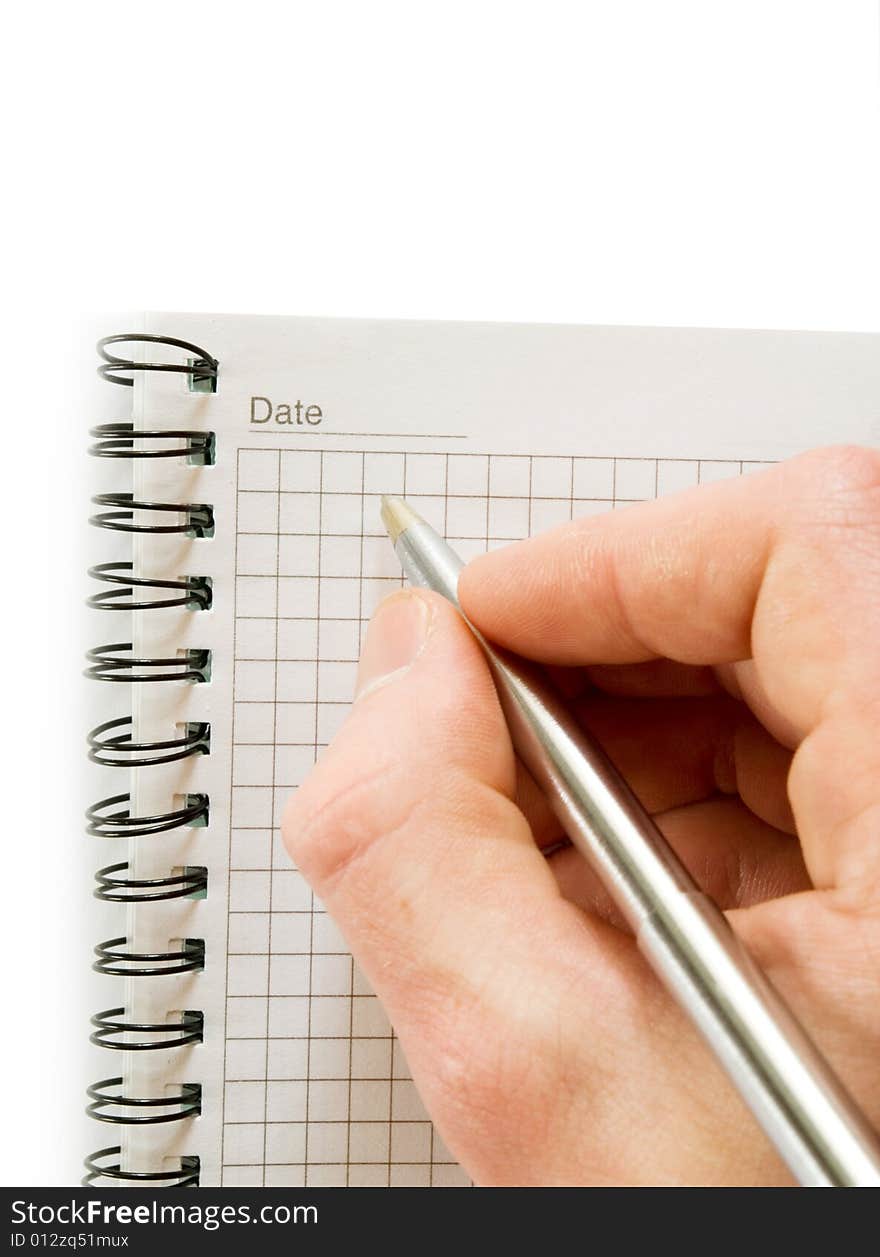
(711, 575)
(781, 567)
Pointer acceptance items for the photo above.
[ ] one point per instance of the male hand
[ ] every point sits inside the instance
(724, 646)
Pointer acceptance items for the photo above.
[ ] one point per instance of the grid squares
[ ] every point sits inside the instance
(317, 1090)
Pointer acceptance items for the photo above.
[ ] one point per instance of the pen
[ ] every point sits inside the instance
(803, 1108)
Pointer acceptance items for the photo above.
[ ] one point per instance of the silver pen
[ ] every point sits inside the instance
(813, 1122)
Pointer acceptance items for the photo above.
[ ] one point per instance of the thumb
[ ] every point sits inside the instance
(408, 832)
(406, 827)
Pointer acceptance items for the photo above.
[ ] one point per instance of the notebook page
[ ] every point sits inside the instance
(494, 432)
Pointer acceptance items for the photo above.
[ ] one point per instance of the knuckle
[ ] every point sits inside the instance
(372, 784)
(341, 820)
(333, 818)
(843, 482)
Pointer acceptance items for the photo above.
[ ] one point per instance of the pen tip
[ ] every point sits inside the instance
(397, 516)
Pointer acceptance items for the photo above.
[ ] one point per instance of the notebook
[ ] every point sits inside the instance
(239, 555)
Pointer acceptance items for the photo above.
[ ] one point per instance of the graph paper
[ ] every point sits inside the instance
(495, 432)
(317, 1092)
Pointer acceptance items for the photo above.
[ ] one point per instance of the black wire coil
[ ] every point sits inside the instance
(189, 591)
(107, 1107)
(117, 749)
(115, 662)
(186, 1176)
(121, 440)
(197, 521)
(201, 367)
(191, 882)
(112, 1029)
(104, 823)
(113, 744)
(113, 957)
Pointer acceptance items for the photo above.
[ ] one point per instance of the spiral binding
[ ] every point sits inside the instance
(103, 823)
(197, 517)
(189, 591)
(114, 744)
(112, 1031)
(119, 750)
(120, 440)
(186, 1176)
(190, 882)
(106, 1107)
(113, 958)
(109, 663)
(201, 368)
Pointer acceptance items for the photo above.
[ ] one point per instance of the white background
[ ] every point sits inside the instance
(707, 162)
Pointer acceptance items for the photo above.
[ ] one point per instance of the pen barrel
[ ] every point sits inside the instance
(813, 1122)
(798, 1101)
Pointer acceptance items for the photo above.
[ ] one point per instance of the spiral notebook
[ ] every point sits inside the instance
(245, 1046)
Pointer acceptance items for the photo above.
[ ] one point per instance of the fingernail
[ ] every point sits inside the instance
(395, 639)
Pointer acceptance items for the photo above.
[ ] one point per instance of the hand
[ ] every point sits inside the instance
(724, 646)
